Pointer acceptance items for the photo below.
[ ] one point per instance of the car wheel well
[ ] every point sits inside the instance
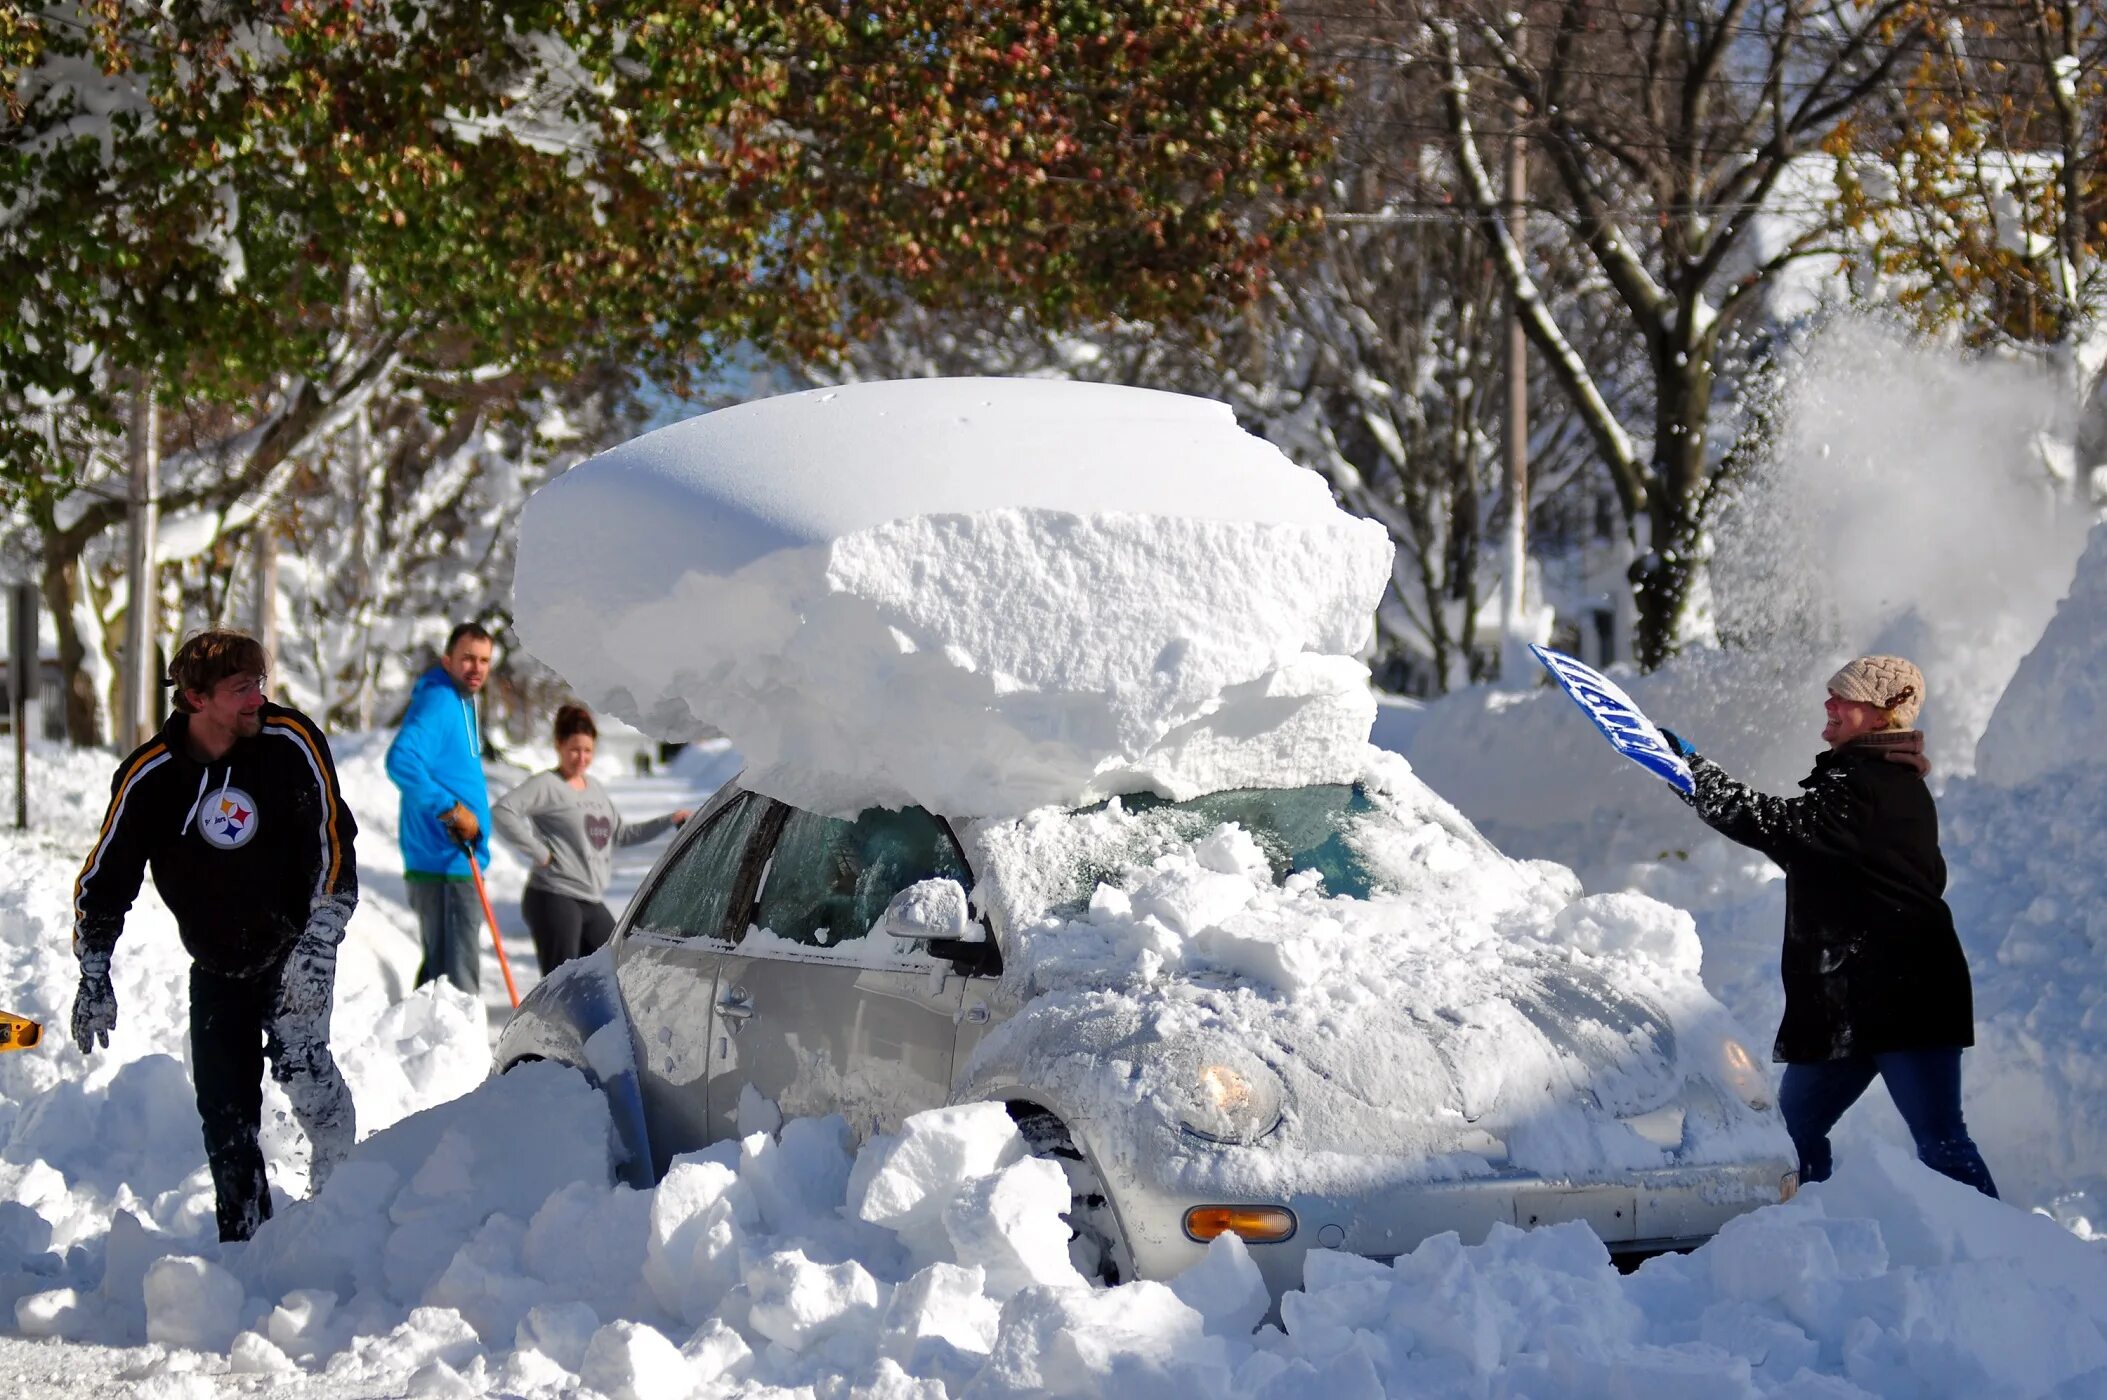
(1097, 1244)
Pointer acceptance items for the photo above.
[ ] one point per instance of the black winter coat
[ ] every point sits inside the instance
(241, 848)
(1871, 961)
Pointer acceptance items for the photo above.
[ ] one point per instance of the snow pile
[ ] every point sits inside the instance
(2022, 842)
(2052, 718)
(480, 1247)
(445, 1259)
(979, 596)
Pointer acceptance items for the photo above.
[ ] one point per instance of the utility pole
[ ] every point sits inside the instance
(1516, 666)
(267, 587)
(25, 675)
(136, 707)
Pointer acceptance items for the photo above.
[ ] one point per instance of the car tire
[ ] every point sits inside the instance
(1096, 1245)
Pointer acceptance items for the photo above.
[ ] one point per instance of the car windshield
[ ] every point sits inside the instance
(1308, 828)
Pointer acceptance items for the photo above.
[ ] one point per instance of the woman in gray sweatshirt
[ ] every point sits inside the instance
(566, 824)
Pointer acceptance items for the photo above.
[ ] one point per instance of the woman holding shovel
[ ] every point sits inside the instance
(566, 824)
(1876, 984)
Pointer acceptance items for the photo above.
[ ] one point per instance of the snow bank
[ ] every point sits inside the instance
(2022, 842)
(980, 596)
(2053, 716)
(933, 1263)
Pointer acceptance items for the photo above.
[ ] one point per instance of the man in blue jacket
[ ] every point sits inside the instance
(437, 761)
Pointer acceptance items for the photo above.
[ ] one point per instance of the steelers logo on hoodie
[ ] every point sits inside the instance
(229, 819)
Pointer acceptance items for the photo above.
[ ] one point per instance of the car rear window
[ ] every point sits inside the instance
(828, 879)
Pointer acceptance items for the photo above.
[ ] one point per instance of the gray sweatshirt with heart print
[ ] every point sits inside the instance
(568, 833)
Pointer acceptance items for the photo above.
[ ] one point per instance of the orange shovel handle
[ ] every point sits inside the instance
(497, 939)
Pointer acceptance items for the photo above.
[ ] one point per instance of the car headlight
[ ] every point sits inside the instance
(1219, 1092)
(1744, 1076)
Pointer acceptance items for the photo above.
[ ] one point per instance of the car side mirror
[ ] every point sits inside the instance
(931, 911)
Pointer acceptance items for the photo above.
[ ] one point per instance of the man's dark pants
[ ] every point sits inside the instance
(1926, 1087)
(450, 918)
(228, 1019)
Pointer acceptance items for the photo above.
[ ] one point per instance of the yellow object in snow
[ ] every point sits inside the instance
(18, 1032)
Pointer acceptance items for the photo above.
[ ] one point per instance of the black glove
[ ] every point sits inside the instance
(95, 1003)
(1679, 745)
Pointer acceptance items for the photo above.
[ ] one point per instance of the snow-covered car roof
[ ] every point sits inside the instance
(810, 467)
(980, 596)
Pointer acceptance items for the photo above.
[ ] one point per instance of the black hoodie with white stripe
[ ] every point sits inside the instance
(241, 848)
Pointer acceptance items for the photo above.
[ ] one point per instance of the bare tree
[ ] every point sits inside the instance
(1665, 128)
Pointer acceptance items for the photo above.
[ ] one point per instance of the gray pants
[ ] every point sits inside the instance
(451, 919)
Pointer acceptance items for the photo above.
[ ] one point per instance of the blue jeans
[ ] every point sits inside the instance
(450, 917)
(1926, 1087)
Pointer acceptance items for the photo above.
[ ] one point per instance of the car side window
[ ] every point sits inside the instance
(828, 879)
(711, 880)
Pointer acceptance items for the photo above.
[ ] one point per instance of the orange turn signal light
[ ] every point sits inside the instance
(1256, 1224)
(1788, 1186)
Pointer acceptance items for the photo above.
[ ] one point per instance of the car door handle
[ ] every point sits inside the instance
(733, 1006)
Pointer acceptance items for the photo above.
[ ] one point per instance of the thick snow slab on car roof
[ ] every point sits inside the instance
(976, 595)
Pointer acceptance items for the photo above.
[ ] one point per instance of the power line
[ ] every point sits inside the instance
(1627, 75)
(2013, 49)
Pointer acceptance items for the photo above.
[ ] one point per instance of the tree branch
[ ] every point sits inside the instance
(1611, 439)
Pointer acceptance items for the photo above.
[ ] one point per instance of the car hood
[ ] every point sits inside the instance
(1469, 1013)
(1545, 1048)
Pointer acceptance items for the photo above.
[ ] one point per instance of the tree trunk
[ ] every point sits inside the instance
(62, 588)
(1665, 570)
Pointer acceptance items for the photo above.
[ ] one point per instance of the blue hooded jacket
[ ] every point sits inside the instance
(437, 760)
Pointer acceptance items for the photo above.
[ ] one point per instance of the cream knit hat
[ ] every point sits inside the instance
(1888, 682)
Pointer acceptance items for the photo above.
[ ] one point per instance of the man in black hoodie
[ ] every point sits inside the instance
(1876, 983)
(235, 806)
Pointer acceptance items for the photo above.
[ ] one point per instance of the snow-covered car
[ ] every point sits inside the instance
(1465, 1077)
(1058, 795)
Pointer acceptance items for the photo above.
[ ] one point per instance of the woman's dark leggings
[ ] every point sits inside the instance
(562, 927)
(1926, 1087)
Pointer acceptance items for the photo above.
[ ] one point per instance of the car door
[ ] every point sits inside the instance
(667, 965)
(814, 1013)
